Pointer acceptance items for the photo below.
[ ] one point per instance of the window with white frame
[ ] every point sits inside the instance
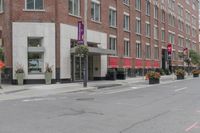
(155, 11)
(163, 16)
(156, 53)
(180, 41)
(126, 2)
(138, 26)
(187, 16)
(171, 4)
(193, 32)
(138, 50)
(156, 32)
(148, 51)
(74, 7)
(1, 6)
(126, 22)
(180, 25)
(171, 38)
(112, 17)
(187, 29)
(34, 4)
(148, 7)
(163, 35)
(138, 5)
(35, 55)
(148, 29)
(180, 11)
(112, 43)
(95, 10)
(126, 48)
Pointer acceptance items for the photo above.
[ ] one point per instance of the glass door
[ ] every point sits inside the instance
(78, 68)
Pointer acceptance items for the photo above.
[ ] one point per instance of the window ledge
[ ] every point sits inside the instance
(1, 12)
(148, 37)
(138, 10)
(138, 58)
(98, 22)
(128, 5)
(127, 30)
(74, 15)
(33, 10)
(114, 27)
(139, 34)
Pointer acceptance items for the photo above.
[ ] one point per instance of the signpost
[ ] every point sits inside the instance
(1, 66)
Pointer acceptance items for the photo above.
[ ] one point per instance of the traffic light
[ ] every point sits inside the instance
(169, 49)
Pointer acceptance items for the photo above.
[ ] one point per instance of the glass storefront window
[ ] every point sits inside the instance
(35, 58)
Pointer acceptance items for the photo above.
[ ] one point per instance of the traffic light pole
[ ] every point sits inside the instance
(85, 43)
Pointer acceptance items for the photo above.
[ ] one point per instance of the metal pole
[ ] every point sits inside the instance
(85, 43)
(0, 80)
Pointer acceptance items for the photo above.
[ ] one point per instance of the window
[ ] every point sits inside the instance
(34, 4)
(148, 51)
(148, 29)
(180, 25)
(138, 50)
(126, 48)
(187, 1)
(112, 43)
(171, 4)
(187, 29)
(163, 16)
(180, 41)
(156, 53)
(138, 5)
(35, 56)
(95, 10)
(148, 7)
(180, 10)
(112, 17)
(174, 55)
(1, 6)
(138, 26)
(163, 35)
(74, 7)
(156, 12)
(126, 2)
(126, 22)
(156, 32)
(171, 38)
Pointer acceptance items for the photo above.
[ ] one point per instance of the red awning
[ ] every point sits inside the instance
(113, 62)
(148, 64)
(156, 64)
(127, 63)
(138, 63)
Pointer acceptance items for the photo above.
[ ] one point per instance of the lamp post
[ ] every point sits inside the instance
(85, 43)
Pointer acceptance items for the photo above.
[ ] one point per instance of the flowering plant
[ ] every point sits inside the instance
(195, 71)
(153, 75)
(19, 69)
(82, 50)
(49, 69)
(180, 72)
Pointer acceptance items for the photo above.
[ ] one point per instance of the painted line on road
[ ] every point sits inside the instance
(177, 90)
(191, 127)
(113, 92)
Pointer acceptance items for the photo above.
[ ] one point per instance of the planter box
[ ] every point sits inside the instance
(20, 78)
(154, 81)
(121, 76)
(48, 77)
(111, 76)
(195, 75)
(180, 77)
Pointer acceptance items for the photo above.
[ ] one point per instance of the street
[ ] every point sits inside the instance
(134, 108)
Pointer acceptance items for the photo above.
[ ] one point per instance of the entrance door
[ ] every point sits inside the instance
(78, 68)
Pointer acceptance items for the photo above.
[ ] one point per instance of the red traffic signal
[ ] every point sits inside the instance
(169, 49)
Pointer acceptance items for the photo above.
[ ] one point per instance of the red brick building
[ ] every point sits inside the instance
(36, 32)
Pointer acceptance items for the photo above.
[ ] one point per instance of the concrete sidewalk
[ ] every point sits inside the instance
(10, 92)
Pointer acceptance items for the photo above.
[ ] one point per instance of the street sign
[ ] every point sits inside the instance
(80, 39)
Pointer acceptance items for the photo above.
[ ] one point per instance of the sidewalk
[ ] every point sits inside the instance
(10, 92)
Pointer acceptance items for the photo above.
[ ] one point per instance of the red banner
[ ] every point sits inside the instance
(113, 62)
(138, 63)
(127, 63)
(148, 64)
(156, 64)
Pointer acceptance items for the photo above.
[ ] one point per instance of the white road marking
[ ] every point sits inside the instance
(177, 90)
(38, 99)
(113, 92)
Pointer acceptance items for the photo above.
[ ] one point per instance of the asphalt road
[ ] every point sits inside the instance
(166, 108)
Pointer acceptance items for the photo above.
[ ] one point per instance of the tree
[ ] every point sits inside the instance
(195, 57)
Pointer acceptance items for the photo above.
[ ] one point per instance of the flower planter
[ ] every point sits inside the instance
(154, 81)
(48, 77)
(180, 77)
(20, 78)
(121, 76)
(195, 75)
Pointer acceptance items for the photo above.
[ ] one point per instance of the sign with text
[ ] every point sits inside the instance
(80, 39)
